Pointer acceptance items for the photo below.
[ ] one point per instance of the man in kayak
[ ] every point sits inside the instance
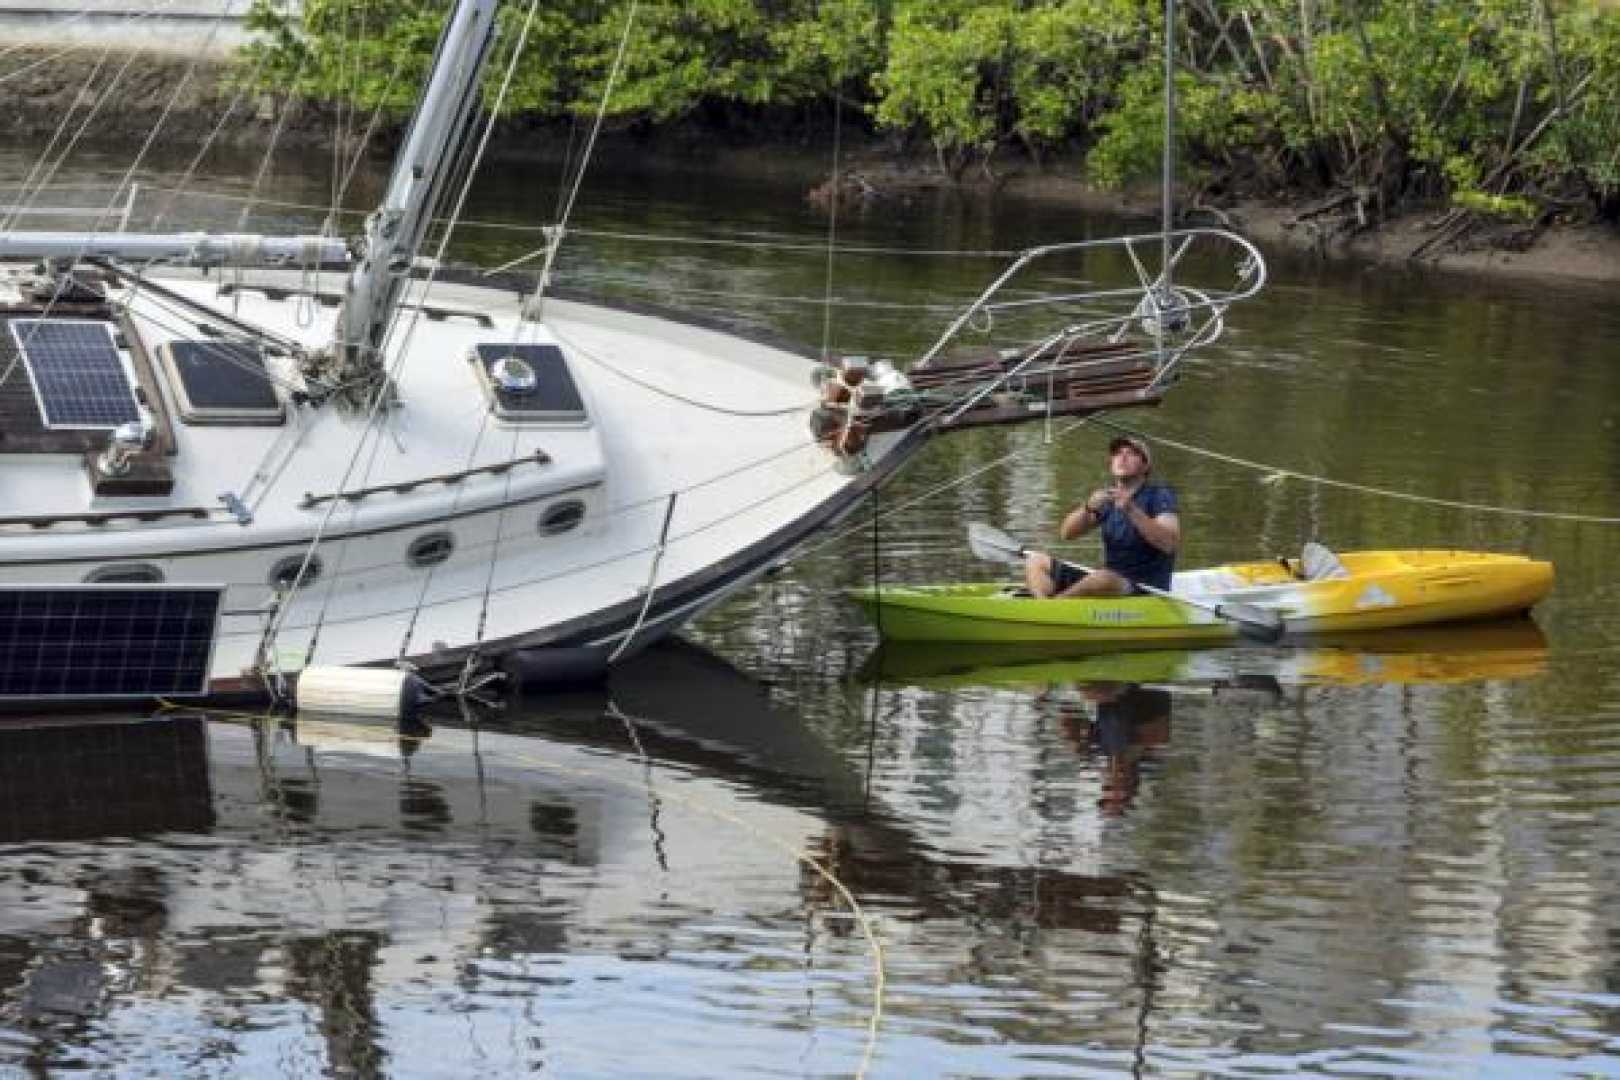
(1140, 532)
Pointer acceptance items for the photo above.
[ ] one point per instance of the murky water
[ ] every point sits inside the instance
(1396, 858)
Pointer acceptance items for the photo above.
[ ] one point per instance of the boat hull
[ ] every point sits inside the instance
(1384, 590)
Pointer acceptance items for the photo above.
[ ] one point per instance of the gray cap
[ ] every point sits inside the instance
(1134, 443)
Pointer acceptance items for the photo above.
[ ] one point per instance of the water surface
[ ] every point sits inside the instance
(1394, 858)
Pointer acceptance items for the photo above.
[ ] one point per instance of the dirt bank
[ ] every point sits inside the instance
(190, 98)
(1582, 252)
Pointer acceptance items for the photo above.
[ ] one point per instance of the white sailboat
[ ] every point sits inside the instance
(214, 481)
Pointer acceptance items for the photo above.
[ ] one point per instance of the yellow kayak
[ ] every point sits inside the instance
(1368, 590)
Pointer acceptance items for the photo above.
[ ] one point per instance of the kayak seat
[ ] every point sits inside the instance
(1317, 563)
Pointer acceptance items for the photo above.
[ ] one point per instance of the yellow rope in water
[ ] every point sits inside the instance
(799, 854)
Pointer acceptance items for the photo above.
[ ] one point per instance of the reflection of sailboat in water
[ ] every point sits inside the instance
(339, 866)
(683, 705)
(1508, 649)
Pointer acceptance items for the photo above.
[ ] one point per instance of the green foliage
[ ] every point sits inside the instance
(1514, 98)
(1502, 206)
(974, 74)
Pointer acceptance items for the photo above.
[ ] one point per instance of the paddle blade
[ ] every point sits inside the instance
(1258, 623)
(990, 543)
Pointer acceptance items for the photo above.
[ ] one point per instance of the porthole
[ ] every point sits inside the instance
(430, 549)
(561, 517)
(125, 574)
(284, 575)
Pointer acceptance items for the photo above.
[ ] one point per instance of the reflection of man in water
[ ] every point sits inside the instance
(1129, 720)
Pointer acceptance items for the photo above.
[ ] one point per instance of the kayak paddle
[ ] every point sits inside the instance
(990, 543)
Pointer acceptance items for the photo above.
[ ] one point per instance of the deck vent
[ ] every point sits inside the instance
(220, 382)
(529, 383)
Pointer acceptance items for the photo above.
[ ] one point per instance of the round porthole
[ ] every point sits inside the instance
(560, 517)
(430, 549)
(125, 574)
(284, 575)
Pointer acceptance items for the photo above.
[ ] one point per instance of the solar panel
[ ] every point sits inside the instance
(221, 382)
(79, 378)
(106, 640)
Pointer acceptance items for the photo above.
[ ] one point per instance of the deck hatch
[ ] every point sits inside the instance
(79, 377)
(220, 382)
(550, 396)
(106, 641)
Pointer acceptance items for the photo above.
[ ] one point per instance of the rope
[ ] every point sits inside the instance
(1275, 473)
(642, 786)
(598, 360)
(939, 490)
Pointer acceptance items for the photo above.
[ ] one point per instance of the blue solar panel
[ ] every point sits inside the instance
(77, 373)
(106, 640)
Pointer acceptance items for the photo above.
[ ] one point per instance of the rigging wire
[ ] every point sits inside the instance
(660, 239)
(84, 124)
(157, 9)
(123, 182)
(288, 106)
(403, 350)
(832, 229)
(1275, 473)
(26, 190)
(940, 489)
(336, 213)
(163, 117)
(229, 111)
(555, 245)
(603, 362)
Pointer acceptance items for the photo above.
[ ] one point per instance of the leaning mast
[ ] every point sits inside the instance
(395, 230)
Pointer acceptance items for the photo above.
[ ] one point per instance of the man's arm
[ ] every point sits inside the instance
(1083, 518)
(1163, 532)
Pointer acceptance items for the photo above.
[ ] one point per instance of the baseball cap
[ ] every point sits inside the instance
(1135, 444)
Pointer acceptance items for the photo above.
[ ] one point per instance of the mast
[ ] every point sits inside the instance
(394, 231)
